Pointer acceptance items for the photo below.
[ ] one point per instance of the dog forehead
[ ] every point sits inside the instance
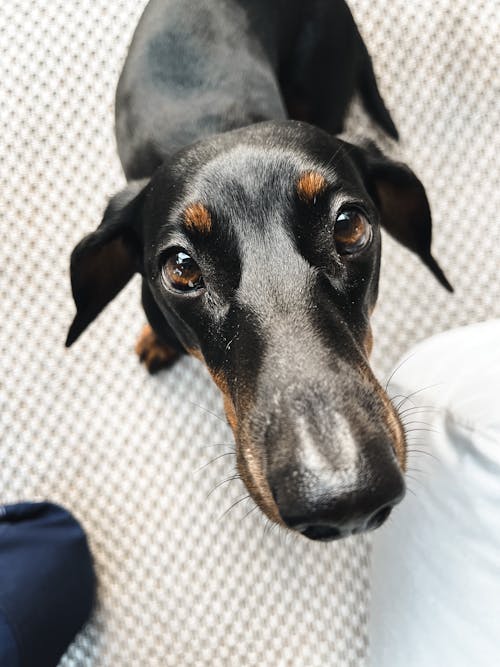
(246, 172)
(252, 194)
(253, 177)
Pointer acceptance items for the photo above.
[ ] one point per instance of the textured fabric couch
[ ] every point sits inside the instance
(181, 582)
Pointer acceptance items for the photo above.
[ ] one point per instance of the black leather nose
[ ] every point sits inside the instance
(330, 464)
(327, 512)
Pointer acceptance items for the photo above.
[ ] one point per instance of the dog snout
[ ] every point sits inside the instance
(329, 479)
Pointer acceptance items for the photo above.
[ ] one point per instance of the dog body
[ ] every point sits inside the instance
(198, 68)
(258, 238)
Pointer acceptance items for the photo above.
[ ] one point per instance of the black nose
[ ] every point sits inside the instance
(330, 461)
(321, 507)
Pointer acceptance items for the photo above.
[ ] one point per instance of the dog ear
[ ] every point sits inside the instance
(403, 205)
(105, 260)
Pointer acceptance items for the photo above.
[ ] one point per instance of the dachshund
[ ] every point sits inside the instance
(257, 234)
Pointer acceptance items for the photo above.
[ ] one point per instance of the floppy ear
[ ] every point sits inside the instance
(105, 260)
(404, 208)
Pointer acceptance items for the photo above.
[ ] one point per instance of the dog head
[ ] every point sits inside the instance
(261, 248)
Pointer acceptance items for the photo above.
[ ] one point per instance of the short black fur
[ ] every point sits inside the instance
(228, 104)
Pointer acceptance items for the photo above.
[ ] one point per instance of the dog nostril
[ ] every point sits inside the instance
(379, 517)
(321, 532)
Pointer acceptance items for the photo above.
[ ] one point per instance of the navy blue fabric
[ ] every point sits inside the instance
(47, 583)
(8, 645)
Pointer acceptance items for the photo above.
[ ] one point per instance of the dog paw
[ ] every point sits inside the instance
(152, 352)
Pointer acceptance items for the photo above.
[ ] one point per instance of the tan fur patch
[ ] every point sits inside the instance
(251, 471)
(229, 409)
(399, 438)
(391, 417)
(152, 352)
(368, 342)
(248, 460)
(231, 414)
(196, 353)
(395, 427)
(197, 218)
(310, 185)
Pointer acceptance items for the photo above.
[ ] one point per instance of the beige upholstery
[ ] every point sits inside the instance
(180, 582)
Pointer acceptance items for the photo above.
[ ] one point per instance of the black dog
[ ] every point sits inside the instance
(258, 239)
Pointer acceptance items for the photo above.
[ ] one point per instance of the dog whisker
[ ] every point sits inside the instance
(249, 511)
(236, 502)
(420, 425)
(214, 459)
(421, 441)
(266, 527)
(414, 479)
(398, 367)
(415, 410)
(416, 421)
(423, 430)
(411, 450)
(219, 444)
(419, 470)
(209, 412)
(224, 481)
(418, 391)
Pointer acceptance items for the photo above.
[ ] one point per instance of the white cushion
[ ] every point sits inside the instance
(436, 564)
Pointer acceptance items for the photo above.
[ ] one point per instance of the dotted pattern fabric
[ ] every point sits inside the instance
(186, 578)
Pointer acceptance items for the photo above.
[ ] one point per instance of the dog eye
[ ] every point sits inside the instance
(182, 272)
(352, 232)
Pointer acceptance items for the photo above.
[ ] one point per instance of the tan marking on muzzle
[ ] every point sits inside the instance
(391, 417)
(395, 427)
(220, 380)
(249, 462)
(196, 353)
(310, 185)
(368, 342)
(250, 467)
(197, 218)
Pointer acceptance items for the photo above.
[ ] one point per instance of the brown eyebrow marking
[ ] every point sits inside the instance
(310, 185)
(197, 218)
